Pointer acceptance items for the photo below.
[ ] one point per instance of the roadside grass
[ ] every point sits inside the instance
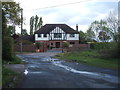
(8, 76)
(90, 57)
(16, 60)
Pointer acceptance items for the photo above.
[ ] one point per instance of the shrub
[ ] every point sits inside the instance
(37, 45)
(7, 48)
(65, 44)
(103, 45)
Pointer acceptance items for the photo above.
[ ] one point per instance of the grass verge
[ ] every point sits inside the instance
(90, 57)
(9, 78)
(15, 60)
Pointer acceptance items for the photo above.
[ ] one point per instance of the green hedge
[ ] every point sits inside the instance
(7, 49)
(103, 45)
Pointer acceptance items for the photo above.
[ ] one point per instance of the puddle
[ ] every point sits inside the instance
(95, 75)
(26, 72)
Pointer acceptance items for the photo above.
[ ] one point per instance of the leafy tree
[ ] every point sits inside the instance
(40, 23)
(12, 29)
(99, 26)
(31, 25)
(10, 15)
(103, 36)
(82, 37)
(12, 12)
(36, 22)
(24, 32)
(90, 35)
(112, 22)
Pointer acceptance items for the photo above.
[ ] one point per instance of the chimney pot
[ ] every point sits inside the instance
(77, 27)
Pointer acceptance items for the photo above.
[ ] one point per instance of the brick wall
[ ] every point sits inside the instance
(79, 47)
(29, 48)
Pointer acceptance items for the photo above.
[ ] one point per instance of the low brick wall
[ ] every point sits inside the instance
(29, 48)
(79, 47)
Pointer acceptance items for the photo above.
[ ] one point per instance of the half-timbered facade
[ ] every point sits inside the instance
(54, 34)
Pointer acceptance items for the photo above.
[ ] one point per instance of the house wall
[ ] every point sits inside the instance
(56, 30)
(73, 38)
(42, 37)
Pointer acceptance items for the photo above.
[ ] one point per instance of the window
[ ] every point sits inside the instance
(45, 35)
(72, 42)
(57, 35)
(51, 43)
(39, 35)
(72, 35)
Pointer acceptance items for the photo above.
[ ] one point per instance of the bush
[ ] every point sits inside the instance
(106, 49)
(65, 44)
(7, 49)
(103, 45)
(37, 45)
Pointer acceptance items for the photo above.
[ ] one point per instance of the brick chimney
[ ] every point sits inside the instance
(77, 27)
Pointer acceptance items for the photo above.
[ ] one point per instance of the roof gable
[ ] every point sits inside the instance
(57, 30)
(46, 29)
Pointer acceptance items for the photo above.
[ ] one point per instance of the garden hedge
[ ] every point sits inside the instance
(103, 45)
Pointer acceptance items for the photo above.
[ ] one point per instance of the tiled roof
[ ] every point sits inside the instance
(26, 37)
(49, 27)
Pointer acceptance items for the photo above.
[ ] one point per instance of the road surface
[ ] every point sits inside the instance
(43, 71)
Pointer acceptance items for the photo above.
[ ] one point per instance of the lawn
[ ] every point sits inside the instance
(90, 57)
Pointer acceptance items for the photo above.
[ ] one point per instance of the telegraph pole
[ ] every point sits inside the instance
(21, 27)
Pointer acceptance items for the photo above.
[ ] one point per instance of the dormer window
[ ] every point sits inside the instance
(39, 35)
(45, 35)
(72, 35)
(57, 35)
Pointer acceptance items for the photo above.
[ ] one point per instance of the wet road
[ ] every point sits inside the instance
(42, 71)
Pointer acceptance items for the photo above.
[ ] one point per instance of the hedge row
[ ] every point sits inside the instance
(7, 48)
(103, 45)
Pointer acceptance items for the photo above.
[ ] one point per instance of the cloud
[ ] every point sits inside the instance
(82, 13)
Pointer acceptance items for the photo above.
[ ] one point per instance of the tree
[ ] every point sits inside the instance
(10, 15)
(12, 12)
(112, 22)
(24, 32)
(31, 25)
(36, 22)
(103, 36)
(97, 27)
(12, 29)
(90, 35)
(40, 23)
(82, 37)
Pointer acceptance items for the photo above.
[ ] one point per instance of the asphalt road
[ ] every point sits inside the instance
(42, 71)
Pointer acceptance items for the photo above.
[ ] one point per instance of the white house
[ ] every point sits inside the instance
(55, 34)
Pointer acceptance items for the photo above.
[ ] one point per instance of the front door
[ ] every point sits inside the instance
(57, 44)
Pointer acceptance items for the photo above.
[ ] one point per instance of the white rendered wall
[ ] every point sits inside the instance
(56, 30)
(73, 38)
(41, 38)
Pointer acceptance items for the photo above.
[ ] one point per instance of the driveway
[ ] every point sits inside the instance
(43, 71)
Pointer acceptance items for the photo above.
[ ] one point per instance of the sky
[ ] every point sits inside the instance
(70, 12)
